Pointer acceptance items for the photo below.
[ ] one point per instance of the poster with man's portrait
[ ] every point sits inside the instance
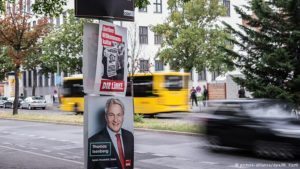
(111, 71)
(109, 140)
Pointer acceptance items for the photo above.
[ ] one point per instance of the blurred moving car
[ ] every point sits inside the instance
(33, 102)
(10, 102)
(2, 100)
(267, 127)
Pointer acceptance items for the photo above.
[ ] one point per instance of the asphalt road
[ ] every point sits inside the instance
(31, 145)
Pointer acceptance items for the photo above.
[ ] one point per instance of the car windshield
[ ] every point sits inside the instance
(276, 110)
(37, 98)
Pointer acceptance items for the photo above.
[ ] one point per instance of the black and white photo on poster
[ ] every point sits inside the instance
(109, 138)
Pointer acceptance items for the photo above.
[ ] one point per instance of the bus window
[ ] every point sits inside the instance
(128, 90)
(173, 82)
(73, 88)
(143, 86)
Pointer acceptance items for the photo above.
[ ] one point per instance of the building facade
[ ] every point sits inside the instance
(143, 45)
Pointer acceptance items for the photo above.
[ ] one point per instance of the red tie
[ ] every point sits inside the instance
(120, 149)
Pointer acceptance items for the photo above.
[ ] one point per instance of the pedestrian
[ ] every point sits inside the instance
(194, 96)
(55, 95)
(241, 92)
(205, 95)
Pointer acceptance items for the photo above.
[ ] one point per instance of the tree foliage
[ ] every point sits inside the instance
(270, 45)
(55, 7)
(64, 45)
(192, 36)
(6, 64)
(19, 38)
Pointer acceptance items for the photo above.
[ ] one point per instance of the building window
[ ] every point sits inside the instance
(226, 3)
(28, 6)
(143, 34)
(159, 65)
(215, 74)
(157, 6)
(144, 65)
(40, 76)
(24, 79)
(29, 79)
(65, 74)
(46, 80)
(33, 24)
(64, 14)
(143, 9)
(202, 75)
(157, 39)
(52, 79)
(51, 21)
(58, 21)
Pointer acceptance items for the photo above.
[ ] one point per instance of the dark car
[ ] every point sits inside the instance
(267, 127)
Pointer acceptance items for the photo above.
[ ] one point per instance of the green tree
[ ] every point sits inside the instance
(270, 45)
(32, 62)
(6, 64)
(64, 46)
(192, 35)
(19, 39)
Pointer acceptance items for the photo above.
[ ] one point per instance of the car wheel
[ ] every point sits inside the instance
(43, 108)
(273, 150)
(214, 142)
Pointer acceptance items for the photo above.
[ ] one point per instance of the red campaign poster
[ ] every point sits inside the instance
(111, 71)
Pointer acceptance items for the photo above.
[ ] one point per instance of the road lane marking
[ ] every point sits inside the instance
(62, 154)
(43, 155)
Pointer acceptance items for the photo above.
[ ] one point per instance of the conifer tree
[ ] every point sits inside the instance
(269, 45)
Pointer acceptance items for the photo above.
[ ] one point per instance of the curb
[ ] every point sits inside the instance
(168, 132)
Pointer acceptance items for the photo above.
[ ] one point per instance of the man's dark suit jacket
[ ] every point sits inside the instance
(103, 136)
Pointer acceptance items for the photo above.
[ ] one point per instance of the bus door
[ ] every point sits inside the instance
(175, 91)
(72, 95)
(145, 100)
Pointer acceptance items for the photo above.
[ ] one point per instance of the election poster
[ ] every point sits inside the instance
(111, 71)
(105, 9)
(109, 139)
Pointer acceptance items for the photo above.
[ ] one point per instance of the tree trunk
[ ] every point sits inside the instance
(34, 81)
(16, 101)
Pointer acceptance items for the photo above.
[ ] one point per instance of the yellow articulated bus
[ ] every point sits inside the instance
(72, 98)
(160, 92)
(154, 93)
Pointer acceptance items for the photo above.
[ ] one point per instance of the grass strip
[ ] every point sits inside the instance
(63, 119)
(156, 124)
(169, 125)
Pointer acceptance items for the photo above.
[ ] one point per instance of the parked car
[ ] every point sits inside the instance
(2, 100)
(33, 102)
(10, 101)
(267, 127)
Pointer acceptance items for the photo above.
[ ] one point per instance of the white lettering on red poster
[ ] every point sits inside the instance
(112, 86)
(109, 36)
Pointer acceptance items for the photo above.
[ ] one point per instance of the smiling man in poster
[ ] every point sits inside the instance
(113, 146)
